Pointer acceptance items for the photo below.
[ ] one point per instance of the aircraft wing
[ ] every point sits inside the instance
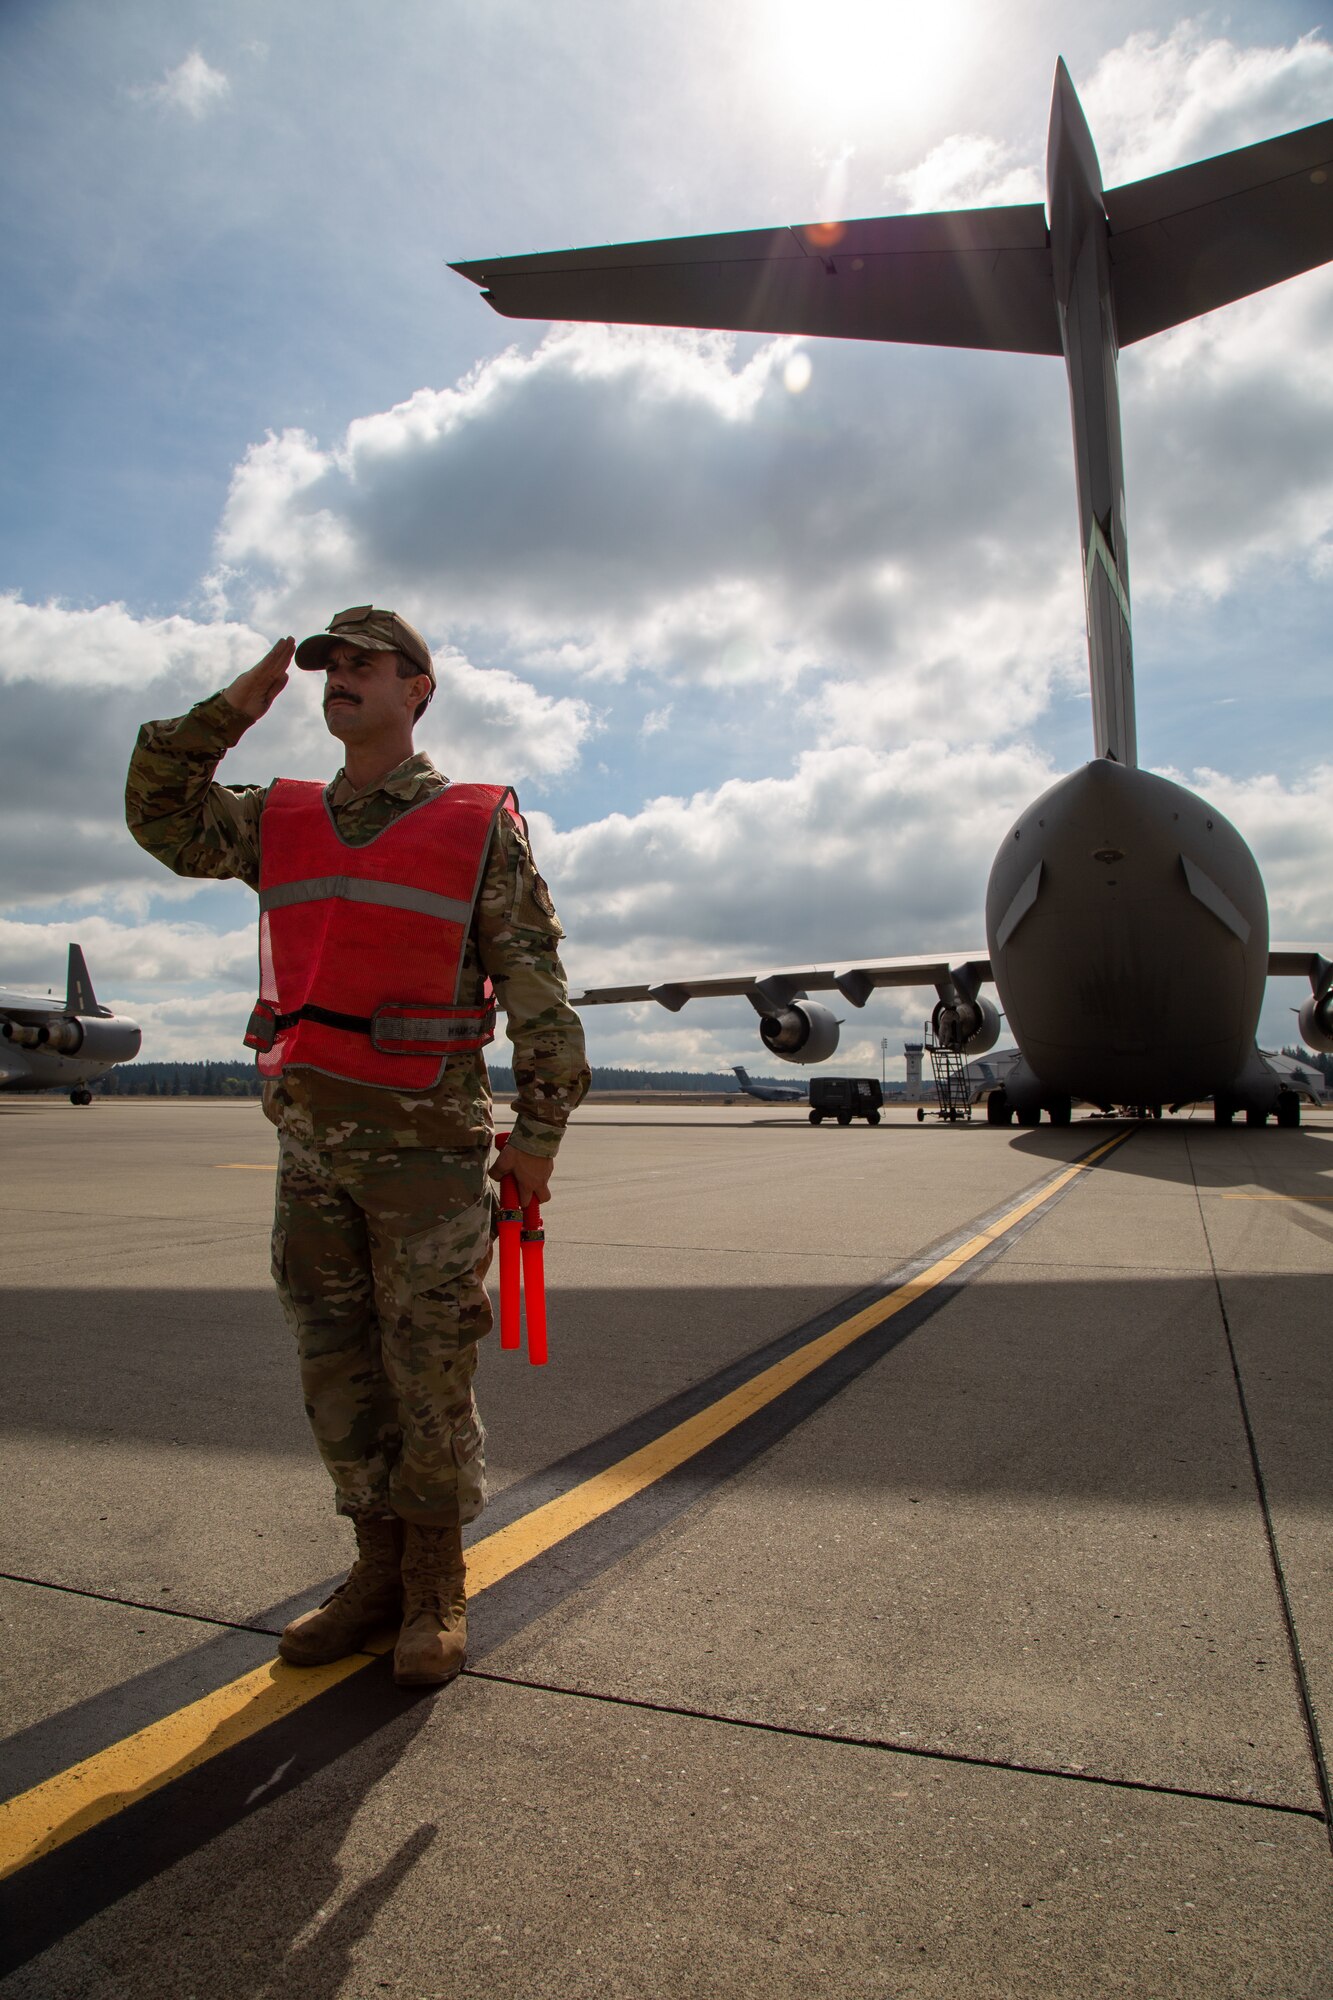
(855, 981)
(977, 277)
(1301, 961)
(1186, 242)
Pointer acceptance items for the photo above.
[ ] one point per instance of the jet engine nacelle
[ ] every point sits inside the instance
(103, 1041)
(802, 1033)
(26, 1034)
(970, 1026)
(1315, 1020)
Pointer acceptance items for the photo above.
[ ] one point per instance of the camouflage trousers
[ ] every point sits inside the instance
(380, 1262)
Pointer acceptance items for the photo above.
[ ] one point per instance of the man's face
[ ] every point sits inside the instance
(364, 696)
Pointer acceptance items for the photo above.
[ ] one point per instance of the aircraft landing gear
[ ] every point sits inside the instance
(80, 1097)
(1061, 1111)
(1223, 1111)
(999, 1111)
(1253, 1117)
(1289, 1111)
(1030, 1116)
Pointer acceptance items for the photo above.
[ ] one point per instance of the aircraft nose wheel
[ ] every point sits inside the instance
(80, 1097)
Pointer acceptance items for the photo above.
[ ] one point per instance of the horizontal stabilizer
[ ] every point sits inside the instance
(1186, 242)
(1181, 243)
(967, 278)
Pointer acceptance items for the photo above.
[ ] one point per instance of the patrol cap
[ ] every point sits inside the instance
(373, 631)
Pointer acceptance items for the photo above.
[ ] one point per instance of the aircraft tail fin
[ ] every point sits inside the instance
(738, 1071)
(1186, 242)
(79, 995)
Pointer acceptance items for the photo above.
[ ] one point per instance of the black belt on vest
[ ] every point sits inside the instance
(396, 1029)
(356, 1024)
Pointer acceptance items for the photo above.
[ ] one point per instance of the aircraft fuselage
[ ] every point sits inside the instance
(1128, 934)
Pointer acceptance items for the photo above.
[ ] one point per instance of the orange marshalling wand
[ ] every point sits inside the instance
(511, 1221)
(533, 1241)
(522, 1258)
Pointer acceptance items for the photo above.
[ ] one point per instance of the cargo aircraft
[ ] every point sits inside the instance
(44, 1046)
(1126, 919)
(770, 1093)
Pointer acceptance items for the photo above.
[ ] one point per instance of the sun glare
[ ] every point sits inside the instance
(854, 65)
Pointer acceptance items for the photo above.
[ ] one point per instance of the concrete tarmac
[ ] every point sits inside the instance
(996, 1665)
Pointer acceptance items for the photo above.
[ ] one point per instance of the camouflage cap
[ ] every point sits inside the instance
(374, 631)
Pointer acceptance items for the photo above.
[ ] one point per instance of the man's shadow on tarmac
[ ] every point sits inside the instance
(258, 1825)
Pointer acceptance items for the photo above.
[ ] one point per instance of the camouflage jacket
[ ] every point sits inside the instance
(198, 828)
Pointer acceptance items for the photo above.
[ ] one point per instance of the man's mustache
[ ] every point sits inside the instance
(341, 694)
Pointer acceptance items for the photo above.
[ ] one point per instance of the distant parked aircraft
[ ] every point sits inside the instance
(771, 1093)
(1126, 920)
(45, 1047)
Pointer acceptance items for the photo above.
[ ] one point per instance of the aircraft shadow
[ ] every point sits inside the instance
(1117, 1386)
(1216, 1156)
(216, 1370)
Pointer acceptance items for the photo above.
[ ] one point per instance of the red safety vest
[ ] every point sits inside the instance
(361, 948)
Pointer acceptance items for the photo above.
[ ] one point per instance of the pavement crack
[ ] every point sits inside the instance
(1295, 1654)
(135, 1604)
(878, 1743)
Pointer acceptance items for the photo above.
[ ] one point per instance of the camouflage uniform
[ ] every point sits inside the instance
(383, 1225)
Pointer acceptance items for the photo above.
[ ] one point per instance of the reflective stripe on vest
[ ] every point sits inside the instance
(390, 896)
(345, 933)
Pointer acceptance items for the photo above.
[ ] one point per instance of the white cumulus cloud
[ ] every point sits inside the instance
(1163, 99)
(968, 170)
(78, 683)
(193, 87)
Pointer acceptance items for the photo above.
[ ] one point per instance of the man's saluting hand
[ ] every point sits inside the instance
(254, 690)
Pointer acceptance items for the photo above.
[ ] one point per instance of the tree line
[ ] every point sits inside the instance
(242, 1079)
(1323, 1063)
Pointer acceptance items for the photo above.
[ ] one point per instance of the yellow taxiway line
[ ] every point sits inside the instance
(73, 1801)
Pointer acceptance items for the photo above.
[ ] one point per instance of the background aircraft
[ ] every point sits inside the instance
(771, 1093)
(1126, 919)
(43, 1047)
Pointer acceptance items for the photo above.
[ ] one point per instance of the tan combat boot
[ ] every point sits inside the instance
(433, 1642)
(370, 1598)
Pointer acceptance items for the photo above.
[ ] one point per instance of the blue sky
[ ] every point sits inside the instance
(773, 665)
